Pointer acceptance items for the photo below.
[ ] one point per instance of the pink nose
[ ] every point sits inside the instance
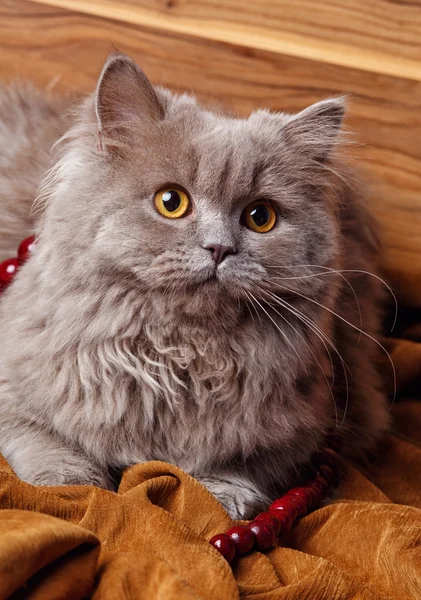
(219, 252)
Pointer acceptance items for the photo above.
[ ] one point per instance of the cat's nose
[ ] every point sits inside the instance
(219, 252)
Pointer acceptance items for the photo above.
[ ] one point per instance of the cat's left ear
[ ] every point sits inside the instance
(124, 97)
(315, 131)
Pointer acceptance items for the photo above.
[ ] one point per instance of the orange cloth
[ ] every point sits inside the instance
(150, 540)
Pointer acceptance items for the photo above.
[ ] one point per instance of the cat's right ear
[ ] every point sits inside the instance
(124, 97)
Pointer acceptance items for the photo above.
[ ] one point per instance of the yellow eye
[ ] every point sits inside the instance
(172, 202)
(259, 216)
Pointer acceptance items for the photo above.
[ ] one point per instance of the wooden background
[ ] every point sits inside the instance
(281, 54)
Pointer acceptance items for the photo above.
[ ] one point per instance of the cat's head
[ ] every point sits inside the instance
(205, 209)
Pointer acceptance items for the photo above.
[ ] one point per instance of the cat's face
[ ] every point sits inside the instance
(204, 208)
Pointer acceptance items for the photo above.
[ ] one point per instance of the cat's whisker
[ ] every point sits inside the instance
(330, 271)
(316, 329)
(320, 334)
(387, 286)
(275, 323)
(339, 271)
(255, 309)
(300, 314)
(247, 303)
(329, 385)
(370, 337)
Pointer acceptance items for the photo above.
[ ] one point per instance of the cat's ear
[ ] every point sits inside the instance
(124, 96)
(315, 131)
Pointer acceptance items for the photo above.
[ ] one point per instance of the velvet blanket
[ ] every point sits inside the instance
(150, 540)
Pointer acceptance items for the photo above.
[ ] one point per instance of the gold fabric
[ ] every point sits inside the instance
(150, 540)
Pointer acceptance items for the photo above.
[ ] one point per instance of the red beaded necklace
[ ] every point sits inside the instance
(262, 532)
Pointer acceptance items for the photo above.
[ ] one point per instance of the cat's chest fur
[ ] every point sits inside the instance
(205, 397)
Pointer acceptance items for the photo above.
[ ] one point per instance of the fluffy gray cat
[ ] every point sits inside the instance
(196, 295)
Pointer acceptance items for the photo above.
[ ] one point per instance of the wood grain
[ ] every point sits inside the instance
(381, 36)
(64, 49)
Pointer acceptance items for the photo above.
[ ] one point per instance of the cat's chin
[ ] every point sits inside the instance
(217, 281)
(217, 289)
(210, 299)
(208, 282)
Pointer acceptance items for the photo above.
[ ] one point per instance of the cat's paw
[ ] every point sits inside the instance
(68, 474)
(240, 497)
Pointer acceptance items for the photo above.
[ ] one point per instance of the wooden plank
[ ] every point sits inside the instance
(66, 49)
(381, 36)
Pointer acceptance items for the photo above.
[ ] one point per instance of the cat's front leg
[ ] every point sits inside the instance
(240, 497)
(39, 457)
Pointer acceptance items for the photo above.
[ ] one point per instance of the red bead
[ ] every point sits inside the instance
(265, 534)
(8, 270)
(295, 491)
(301, 504)
(300, 491)
(317, 490)
(311, 495)
(243, 539)
(270, 518)
(284, 504)
(321, 484)
(317, 494)
(303, 492)
(225, 546)
(285, 521)
(327, 473)
(26, 248)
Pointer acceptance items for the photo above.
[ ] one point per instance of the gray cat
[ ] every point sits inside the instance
(195, 295)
